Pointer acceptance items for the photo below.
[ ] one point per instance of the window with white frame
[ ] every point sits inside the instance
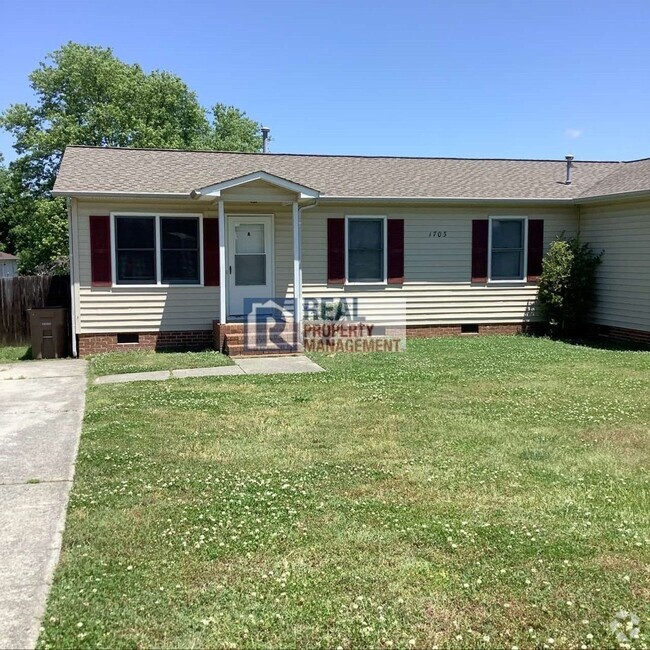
(155, 249)
(179, 250)
(135, 250)
(507, 248)
(366, 249)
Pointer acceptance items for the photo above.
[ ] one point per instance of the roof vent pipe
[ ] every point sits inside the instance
(265, 138)
(569, 162)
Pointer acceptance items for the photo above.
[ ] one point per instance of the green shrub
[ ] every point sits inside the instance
(567, 285)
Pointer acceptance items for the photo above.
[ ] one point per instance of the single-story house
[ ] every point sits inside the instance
(8, 265)
(167, 246)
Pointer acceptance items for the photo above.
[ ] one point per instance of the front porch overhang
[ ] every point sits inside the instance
(214, 191)
(297, 206)
(295, 194)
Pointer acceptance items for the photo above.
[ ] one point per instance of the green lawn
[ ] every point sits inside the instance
(481, 491)
(11, 354)
(115, 363)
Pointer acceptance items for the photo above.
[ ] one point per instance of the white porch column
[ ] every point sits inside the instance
(223, 279)
(297, 270)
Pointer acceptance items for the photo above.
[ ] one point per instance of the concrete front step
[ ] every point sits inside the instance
(243, 351)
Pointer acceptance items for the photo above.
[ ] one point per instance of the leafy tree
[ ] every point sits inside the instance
(232, 130)
(41, 235)
(85, 95)
(88, 96)
(567, 285)
(5, 226)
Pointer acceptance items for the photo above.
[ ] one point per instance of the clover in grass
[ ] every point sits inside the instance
(625, 626)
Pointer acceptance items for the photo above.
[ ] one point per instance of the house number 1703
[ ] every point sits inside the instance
(438, 233)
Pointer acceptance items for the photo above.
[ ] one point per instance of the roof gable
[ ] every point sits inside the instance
(214, 190)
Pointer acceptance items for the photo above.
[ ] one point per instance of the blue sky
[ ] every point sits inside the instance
(529, 78)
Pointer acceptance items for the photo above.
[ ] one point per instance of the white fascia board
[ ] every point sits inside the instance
(120, 195)
(620, 196)
(214, 191)
(440, 199)
(313, 194)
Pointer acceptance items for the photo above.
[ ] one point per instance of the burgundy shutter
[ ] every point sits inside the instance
(211, 252)
(336, 251)
(100, 251)
(395, 252)
(480, 250)
(535, 248)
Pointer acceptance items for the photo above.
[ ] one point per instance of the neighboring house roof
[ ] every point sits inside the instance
(164, 172)
(7, 256)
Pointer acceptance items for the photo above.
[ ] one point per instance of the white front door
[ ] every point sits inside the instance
(249, 260)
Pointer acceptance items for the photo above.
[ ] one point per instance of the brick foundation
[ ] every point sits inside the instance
(182, 341)
(426, 331)
(229, 338)
(623, 334)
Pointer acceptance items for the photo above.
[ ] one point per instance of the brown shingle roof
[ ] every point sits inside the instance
(148, 171)
(630, 177)
(7, 256)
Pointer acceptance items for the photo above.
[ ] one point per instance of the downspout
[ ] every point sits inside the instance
(306, 207)
(73, 298)
(300, 209)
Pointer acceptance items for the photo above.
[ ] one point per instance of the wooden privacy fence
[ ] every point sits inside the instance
(19, 294)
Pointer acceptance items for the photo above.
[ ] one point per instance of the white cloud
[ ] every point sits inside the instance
(573, 133)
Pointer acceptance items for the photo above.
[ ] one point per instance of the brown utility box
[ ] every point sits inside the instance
(49, 332)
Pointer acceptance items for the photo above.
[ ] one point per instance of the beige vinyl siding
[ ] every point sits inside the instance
(622, 231)
(258, 191)
(437, 287)
(174, 308)
(283, 253)
(139, 309)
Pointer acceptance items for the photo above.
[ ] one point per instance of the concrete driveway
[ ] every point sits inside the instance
(41, 408)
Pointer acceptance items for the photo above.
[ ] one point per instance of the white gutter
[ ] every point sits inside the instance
(439, 199)
(380, 199)
(613, 197)
(122, 195)
(334, 199)
(310, 206)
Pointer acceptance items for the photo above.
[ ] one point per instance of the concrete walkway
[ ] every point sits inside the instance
(41, 408)
(246, 366)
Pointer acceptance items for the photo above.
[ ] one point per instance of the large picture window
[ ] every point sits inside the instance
(366, 244)
(155, 249)
(508, 241)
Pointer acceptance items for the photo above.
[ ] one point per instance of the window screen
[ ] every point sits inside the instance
(135, 250)
(365, 250)
(180, 250)
(507, 249)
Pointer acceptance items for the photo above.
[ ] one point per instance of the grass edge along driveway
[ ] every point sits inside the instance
(483, 492)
